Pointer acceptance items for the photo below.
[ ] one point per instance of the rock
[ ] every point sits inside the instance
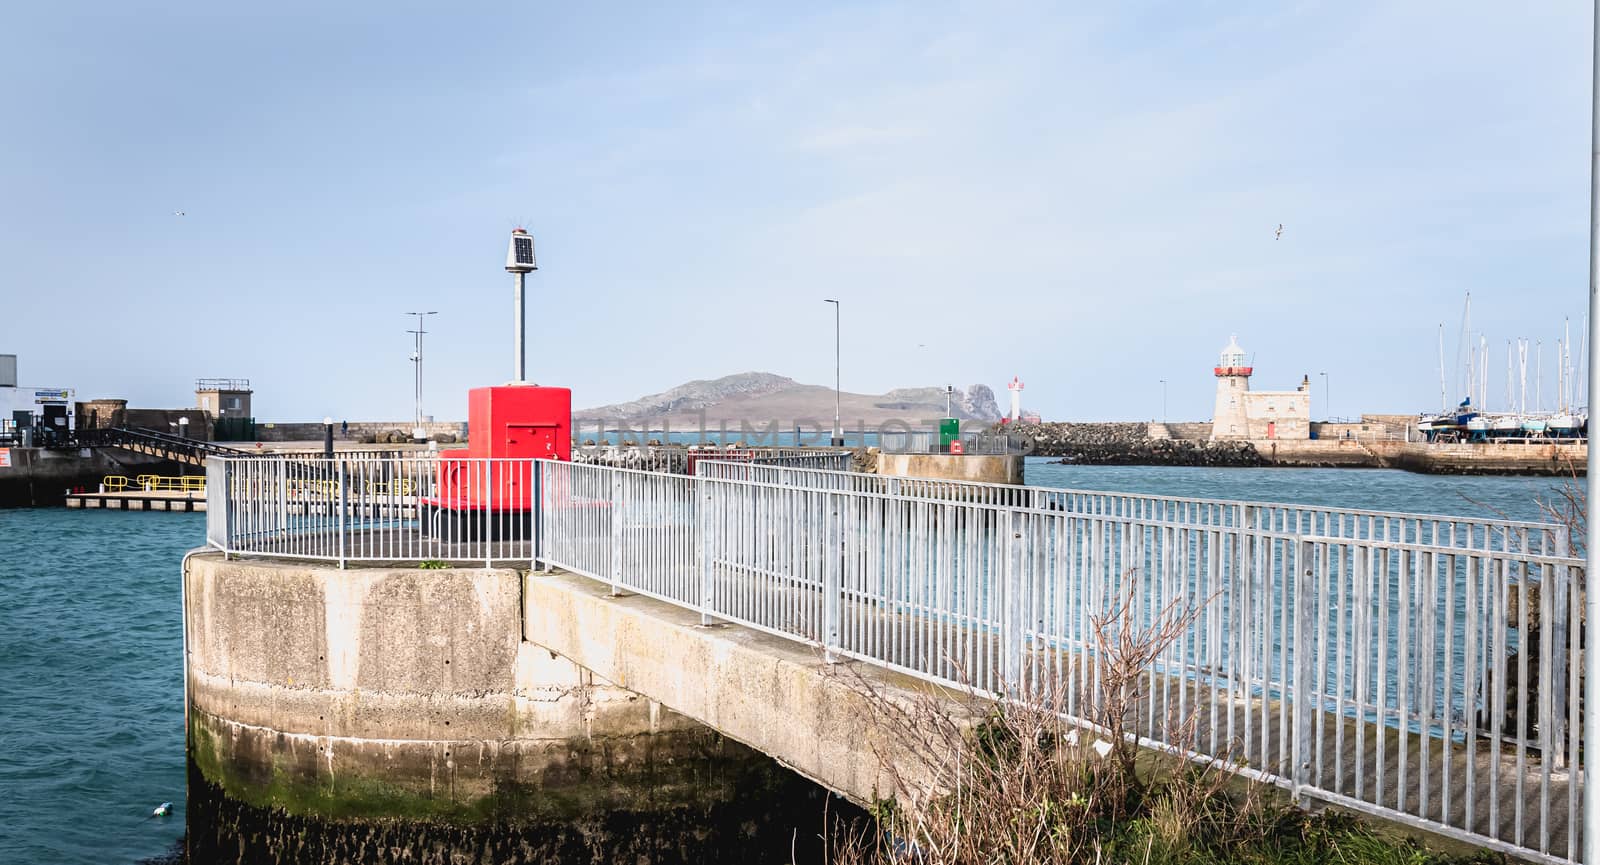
(444, 438)
(1129, 444)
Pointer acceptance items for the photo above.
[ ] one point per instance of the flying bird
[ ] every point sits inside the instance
(178, 213)
(1277, 235)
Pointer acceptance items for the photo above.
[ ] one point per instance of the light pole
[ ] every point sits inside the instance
(1327, 399)
(949, 394)
(417, 433)
(838, 433)
(1163, 400)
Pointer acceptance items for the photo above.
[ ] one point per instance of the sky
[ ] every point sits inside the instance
(1084, 195)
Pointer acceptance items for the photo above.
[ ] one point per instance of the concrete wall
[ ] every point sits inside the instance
(418, 676)
(1190, 431)
(162, 419)
(410, 694)
(39, 477)
(1319, 453)
(1488, 458)
(994, 469)
(1365, 431)
(827, 721)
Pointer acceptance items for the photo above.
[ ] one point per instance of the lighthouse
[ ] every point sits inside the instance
(1257, 415)
(1230, 420)
(1016, 398)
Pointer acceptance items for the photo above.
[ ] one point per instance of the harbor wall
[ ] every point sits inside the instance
(982, 468)
(41, 477)
(1372, 444)
(345, 708)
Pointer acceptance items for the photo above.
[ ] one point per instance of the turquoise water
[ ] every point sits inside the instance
(91, 690)
(91, 683)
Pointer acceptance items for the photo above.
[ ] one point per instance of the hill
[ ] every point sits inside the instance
(762, 398)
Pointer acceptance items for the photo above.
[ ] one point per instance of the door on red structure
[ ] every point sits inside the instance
(1272, 429)
(530, 441)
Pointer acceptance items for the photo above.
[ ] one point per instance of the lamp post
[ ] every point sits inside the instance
(838, 432)
(327, 438)
(417, 433)
(1327, 399)
(1163, 400)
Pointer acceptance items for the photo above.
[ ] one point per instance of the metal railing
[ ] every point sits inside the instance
(1414, 667)
(924, 442)
(395, 509)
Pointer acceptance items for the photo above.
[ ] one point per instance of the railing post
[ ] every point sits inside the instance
(1300, 693)
(1011, 622)
(342, 525)
(616, 559)
(703, 537)
(832, 578)
(538, 513)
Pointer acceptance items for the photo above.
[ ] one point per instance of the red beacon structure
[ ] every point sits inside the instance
(493, 483)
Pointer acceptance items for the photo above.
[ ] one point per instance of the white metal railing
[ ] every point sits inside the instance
(1410, 666)
(413, 508)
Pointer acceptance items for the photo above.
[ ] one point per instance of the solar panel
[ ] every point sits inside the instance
(524, 250)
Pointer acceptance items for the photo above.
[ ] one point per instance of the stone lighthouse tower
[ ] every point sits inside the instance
(1231, 419)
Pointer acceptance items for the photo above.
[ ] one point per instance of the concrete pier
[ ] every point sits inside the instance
(330, 704)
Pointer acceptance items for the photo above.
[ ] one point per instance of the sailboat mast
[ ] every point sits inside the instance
(1511, 404)
(1483, 373)
(1538, 375)
(1522, 372)
(1444, 398)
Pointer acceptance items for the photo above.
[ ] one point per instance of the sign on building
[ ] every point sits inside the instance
(5, 458)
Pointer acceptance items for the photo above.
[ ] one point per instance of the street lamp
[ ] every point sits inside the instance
(417, 433)
(838, 431)
(1163, 400)
(1327, 399)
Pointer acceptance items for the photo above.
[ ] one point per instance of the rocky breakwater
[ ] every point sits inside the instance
(1129, 444)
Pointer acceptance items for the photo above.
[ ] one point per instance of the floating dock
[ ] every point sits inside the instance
(140, 500)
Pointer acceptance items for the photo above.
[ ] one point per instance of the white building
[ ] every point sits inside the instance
(1264, 414)
(31, 406)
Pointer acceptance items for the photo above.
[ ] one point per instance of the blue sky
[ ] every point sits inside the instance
(1082, 194)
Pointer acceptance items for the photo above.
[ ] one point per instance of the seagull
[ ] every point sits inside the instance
(178, 213)
(1279, 233)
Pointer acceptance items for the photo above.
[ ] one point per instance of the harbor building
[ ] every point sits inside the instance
(1263, 414)
(43, 413)
(226, 403)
